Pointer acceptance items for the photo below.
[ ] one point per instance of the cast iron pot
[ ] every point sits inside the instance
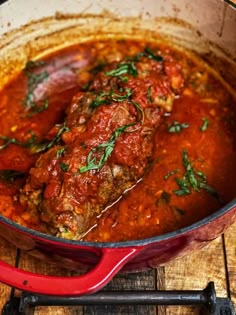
(211, 34)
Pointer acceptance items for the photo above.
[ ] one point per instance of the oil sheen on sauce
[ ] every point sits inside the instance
(192, 170)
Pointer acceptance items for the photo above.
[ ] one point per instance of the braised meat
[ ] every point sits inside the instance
(105, 144)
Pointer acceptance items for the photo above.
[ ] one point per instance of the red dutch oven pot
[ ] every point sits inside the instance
(103, 260)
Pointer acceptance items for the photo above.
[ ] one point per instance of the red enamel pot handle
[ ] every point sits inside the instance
(112, 260)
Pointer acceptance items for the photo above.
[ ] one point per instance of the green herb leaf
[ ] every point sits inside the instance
(9, 141)
(106, 148)
(40, 147)
(109, 97)
(171, 173)
(100, 100)
(193, 180)
(64, 166)
(86, 87)
(123, 68)
(177, 127)
(210, 190)
(140, 113)
(60, 152)
(151, 55)
(183, 185)
(205, 124)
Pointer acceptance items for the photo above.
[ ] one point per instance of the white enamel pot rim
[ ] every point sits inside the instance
(160, 16)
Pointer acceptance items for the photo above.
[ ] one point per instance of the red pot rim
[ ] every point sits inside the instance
(39, 235)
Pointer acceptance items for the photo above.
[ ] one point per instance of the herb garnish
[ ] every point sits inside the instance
(192, 179)
(37, 148)
(60, 152)
(106, 148)
(108, 97)
(205, 124)
(64, 166)
(129, 67)
(123, 68)
(34, 79)
(8, 141)
(171, 173)
(149, 54)
(177, 127)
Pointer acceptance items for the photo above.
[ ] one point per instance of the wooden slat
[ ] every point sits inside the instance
(195, 271)
(7, 254)
(190, 272)
(133, 281)
(33, 264)
(230, 249)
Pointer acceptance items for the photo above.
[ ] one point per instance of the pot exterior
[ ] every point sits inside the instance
(105, 260)
(150, 252)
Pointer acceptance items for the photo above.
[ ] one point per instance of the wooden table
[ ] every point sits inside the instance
(216, 262)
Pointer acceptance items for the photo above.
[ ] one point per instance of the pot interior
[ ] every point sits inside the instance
(159, 23)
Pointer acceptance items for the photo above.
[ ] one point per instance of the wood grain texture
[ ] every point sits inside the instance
(230, 250)
(194, 271)
(7, 254)
(215, 262)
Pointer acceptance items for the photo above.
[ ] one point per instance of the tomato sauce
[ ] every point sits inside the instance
(192, 170)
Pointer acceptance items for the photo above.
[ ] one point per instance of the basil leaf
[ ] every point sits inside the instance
(64, 166)
(205, 124)
(177, 127)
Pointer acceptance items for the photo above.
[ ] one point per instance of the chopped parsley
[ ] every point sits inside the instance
(205, 124)
(177, 127)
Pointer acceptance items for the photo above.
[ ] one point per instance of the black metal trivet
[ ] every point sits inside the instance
(25, 304)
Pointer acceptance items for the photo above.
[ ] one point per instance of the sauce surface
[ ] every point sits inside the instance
(190, 173)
